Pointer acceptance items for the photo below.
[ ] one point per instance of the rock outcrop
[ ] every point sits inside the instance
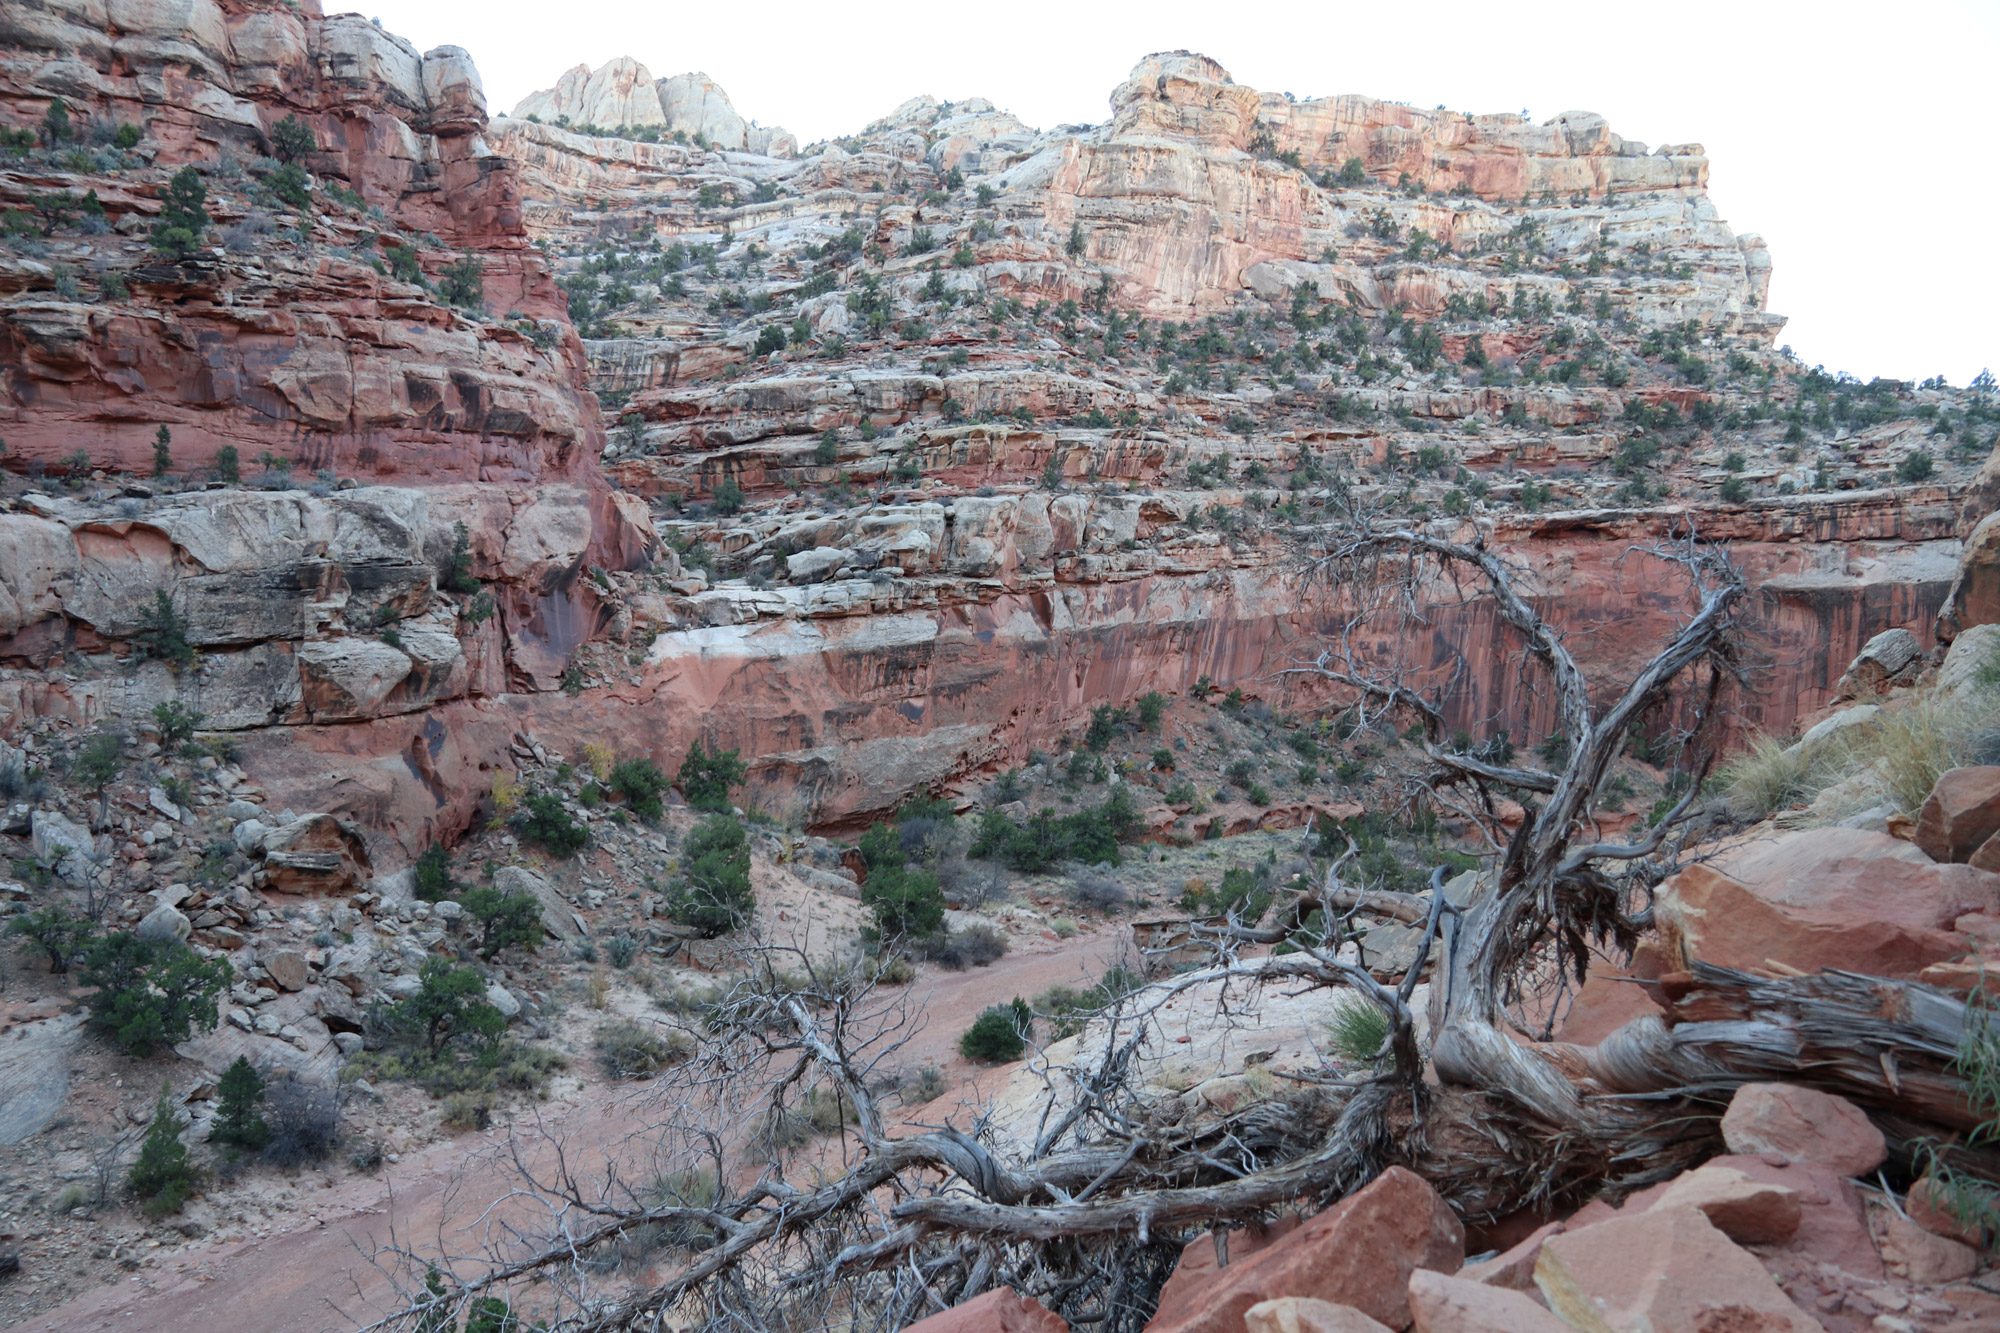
(623, 94)
(289, 337)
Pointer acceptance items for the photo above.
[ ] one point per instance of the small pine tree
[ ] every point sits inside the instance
(228, 465)
(506, 920)
(1075, 246)
(55, 123)
(183, 215)
(292, 139)
(707, 775)
(163, 1176)
(239, 1122)
(433, 874)
(163, 456)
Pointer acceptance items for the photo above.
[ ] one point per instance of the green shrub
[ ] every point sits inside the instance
(163, 1176)
(1240, 893)
(1106, 721)
(463, 283)
(291, 184)
(292, 139)
(183, 215)
(1047, 840)
(505, 920)
(176, 721)
(1915, 467)
(450, 1004)
(152, 993)
(999, 1034)
(228, 465)
(456, 576)
(544, 820)
(239, 1119)
(433, 874)
(706, 776)
(56, 931)
(1152, 707)
(640, 782)
(907, 903)
(162, 633)
(714, 894)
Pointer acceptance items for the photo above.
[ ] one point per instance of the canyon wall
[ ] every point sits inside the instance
(1055, 510)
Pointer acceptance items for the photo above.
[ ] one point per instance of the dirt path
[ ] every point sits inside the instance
(314, 1276)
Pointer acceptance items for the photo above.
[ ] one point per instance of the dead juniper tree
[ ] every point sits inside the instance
(712, 1208)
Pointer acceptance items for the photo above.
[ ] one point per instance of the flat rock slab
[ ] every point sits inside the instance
(34, 1075)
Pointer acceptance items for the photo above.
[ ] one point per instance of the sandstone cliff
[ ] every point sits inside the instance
(949, 430)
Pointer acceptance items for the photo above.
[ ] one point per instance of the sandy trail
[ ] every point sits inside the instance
(315, 1276)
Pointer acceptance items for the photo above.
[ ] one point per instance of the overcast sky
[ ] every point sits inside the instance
(1853, 137)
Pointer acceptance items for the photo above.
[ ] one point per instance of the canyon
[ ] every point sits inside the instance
(461, 469)
(1033, 546)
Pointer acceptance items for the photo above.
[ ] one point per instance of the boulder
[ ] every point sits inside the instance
(1827, 898)
(1803, 1124)
(503, 999)
(1669, 1270)
(558, 917)
(1514, 1266)
(1962, 676)
(60, 842)
(1002, 1310)
(1974, 597)
(1358, 1253)
(164, 924)
(1929, 1207)
(1440, 1304)
(287, 968)
(812, 566)
(1303, 1314)
(1747, 1210)
(1961, 814)
(1885, 660)
(1916, 1255)
(1833, 1223)
(316, 854)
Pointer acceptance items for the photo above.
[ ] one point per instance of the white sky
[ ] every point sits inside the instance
(1854, 137)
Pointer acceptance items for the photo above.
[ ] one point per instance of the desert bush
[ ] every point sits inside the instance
(56, 931)
(975, 946)
(433, 874)
(908, 904)
(640, 782)
(505, 920)
(1098, 892)
(1771, 775)
(152, 993)
(631, 1050)
(303, 1120)
(999, 1034)
(545, 820)
(620, 950)
(922, 1085)
(713, 894)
